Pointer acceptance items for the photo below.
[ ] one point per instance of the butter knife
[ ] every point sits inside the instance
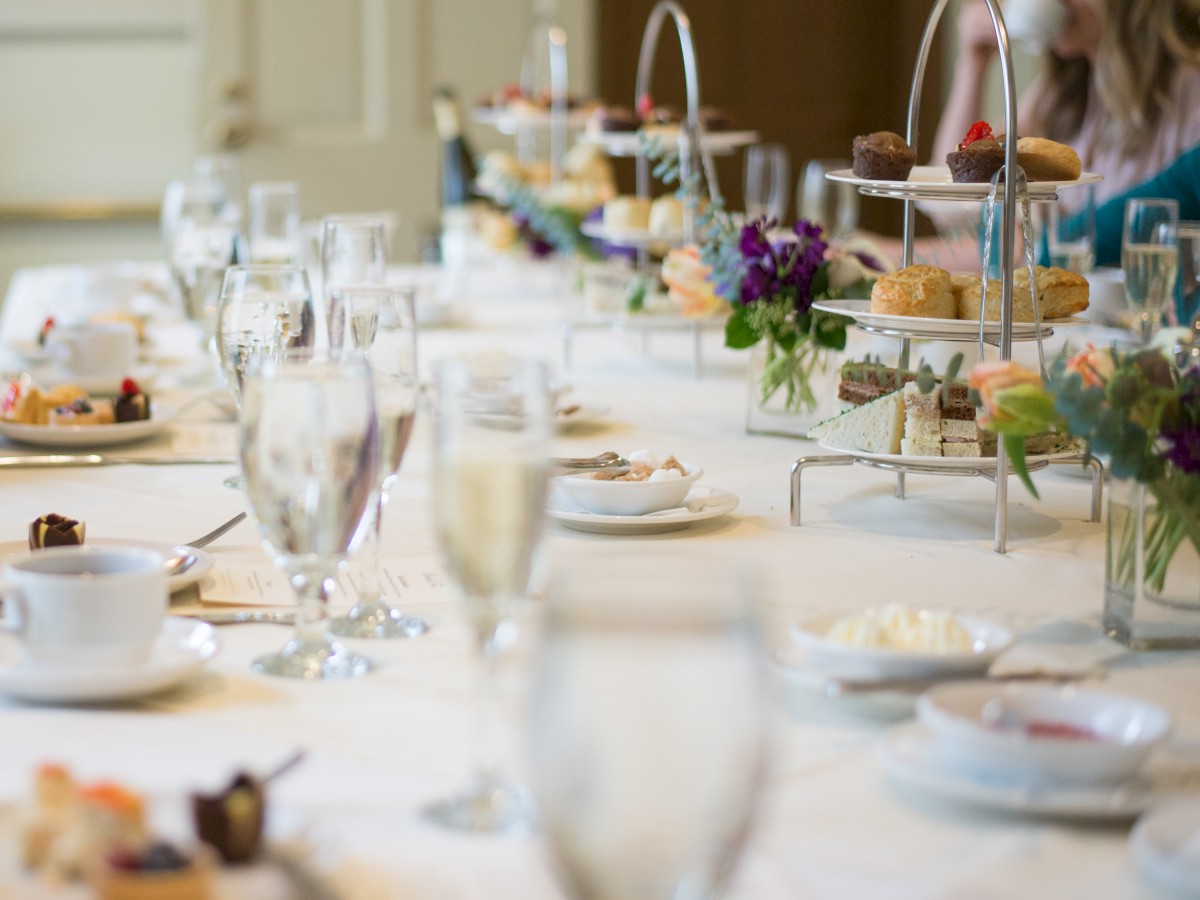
(841, 687)
(103, 459)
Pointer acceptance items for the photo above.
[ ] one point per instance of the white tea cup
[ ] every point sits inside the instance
(93, 349)
(1035, 23)
(85, 607)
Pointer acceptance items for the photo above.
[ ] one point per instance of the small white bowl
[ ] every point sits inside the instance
(1062, 734)
(628, 498)
(988, 640)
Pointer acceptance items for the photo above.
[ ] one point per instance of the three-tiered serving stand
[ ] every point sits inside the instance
(911, 192)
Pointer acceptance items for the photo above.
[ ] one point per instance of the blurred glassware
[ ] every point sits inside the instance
(831, 204)
(493, 419)
(383, 327)
(1150, 258)
(353, 252)
(1189, 274)
(768, 174)
(310, 459)
(1071, 236)
(204, 243)
(224, 170)
(273, 232)
(649, 725)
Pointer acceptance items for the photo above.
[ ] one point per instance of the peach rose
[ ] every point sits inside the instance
(1094, 366)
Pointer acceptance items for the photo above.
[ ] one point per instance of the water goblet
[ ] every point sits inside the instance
(273, 232)
(831, 204)
(492, 427)
(382, 324)
(768, 172)
(353, 251)
(310, 458)
(638, 648)
(1071, 236)
(203, 244)
(1150, 259)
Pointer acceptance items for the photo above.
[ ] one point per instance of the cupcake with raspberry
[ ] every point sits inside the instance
(977, 158)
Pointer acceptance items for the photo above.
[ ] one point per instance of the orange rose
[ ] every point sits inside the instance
(1094, 366)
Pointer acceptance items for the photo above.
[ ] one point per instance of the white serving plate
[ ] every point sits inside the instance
(702, 503)
(958, 329)
(988, 638)
(628, 143)
(945, 463)
(909, 755)
(936, 183)
(89, 435)
(181, 649)
(201, 567)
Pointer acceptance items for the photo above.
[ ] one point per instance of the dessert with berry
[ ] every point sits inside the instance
(978, 157)
(133, 405)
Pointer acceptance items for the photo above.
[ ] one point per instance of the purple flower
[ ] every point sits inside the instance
(783, 268)
(1183, 450)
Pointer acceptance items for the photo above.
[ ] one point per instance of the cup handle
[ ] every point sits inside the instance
(14, 609)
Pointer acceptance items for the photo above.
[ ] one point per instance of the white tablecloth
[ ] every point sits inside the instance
(831, 824)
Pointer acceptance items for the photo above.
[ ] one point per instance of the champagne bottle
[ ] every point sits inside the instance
(458, 163)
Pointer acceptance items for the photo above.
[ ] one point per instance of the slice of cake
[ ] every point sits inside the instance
(874, 427)
(922, 422)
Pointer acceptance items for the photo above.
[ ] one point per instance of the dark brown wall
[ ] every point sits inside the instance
(809, 74)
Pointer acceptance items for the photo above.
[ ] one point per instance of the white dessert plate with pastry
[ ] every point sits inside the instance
(910, 755)
(700, 504)
(963, 329)
(89, 435)
(949, 463)
(630, 237)
(981, 642)
(180, 651)
(193, 574)
(936, 183)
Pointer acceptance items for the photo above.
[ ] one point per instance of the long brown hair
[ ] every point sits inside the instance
(1145, 42)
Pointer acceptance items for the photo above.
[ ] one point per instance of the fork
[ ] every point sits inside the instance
(207, 539)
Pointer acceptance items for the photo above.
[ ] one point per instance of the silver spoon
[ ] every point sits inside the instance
(608, 461)
(180, 563)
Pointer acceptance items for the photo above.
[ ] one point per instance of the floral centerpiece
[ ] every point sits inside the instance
(1140, 413)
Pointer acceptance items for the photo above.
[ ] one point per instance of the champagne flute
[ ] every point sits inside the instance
(648, 726)
(383, 326)
(273, 234)
(310, 457)
(353, 251)
(1071, 237)
(1150, 259)
(768, 172)
(831, 204)
(490, 487)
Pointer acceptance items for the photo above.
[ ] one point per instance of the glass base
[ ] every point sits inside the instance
(377, 621)
(314, 660)
(237, 482)
(488, 805)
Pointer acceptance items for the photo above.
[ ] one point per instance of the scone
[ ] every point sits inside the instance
(914, 291)
(627, 213)
(1046, 160)
(959, 285)
(1060, 294)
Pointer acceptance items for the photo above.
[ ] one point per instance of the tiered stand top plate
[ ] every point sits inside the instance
(507, 121)
(935, 183)
(627, 143)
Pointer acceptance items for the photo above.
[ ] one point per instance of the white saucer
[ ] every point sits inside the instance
(1166, 847)
(702, 503)
(181, 650)
(909, 755)
(89, 435)
(198, 569)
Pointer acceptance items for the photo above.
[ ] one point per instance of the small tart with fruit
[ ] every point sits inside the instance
(133, 404)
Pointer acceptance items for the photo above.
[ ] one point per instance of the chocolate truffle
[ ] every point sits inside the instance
(54, 530)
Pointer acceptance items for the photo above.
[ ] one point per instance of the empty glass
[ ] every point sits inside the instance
(383, 326)
(1071, 236)
(492, 424)
(1189, 274)
(831, 204)
(1150, 259)
(353, 252)
(648, 727)
(273, 232)
(768, 173)
(310, 458)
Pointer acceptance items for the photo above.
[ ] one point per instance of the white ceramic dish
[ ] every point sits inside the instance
(628, 143)
(700, 504)
(989, 640)
(794, 666)
(89, 435)
(579, 414)
(950, 463)
(630, 237)
(1166, 847)
(1060, 734)
(908, 753)
(181, 650)
(201, 567)
(628, 498)
(960, 329)
(936, 183)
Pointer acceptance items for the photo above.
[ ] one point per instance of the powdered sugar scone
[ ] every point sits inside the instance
(919, 290)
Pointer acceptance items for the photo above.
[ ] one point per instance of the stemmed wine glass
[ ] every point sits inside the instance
(768, 172)
(1150, 259)
(310, 458)
(203, 244)
(492, 426)
(648, 726)
(383, 326)
(353, 251)
(1071, 236)
(273, 232)
(831, 204)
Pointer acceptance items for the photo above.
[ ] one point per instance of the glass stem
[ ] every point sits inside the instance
(312, 606)
(370, 593)
(487, 753)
